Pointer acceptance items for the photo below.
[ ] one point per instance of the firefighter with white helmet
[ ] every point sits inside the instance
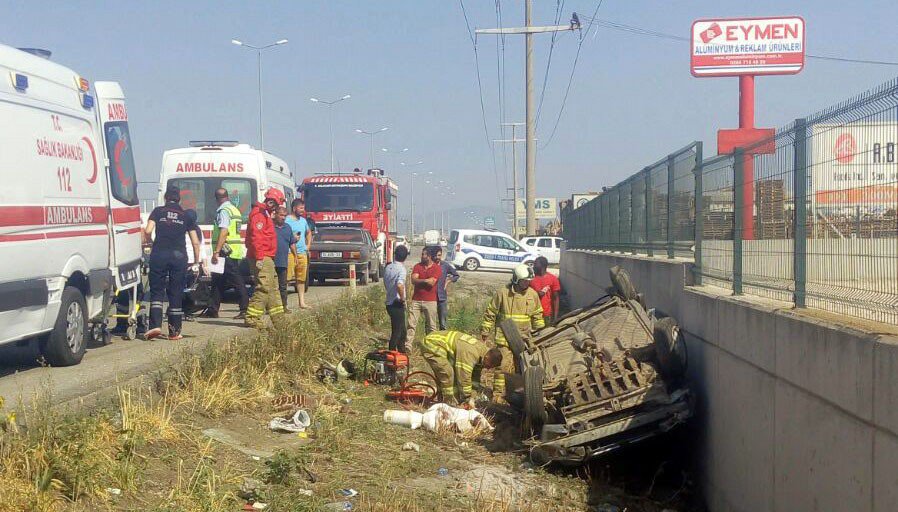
(520, 303)
(261, 246)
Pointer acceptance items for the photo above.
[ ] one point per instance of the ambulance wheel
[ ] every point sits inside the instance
(66, 343)
(471, 264)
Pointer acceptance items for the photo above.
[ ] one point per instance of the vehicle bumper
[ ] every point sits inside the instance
(335, 269)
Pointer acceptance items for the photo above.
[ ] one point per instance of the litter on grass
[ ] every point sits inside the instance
(411, 447)
(439, 416)
(299, 422)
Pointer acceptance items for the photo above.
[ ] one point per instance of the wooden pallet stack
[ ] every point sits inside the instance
(771, 209)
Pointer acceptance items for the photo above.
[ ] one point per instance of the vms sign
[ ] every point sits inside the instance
(747, 46)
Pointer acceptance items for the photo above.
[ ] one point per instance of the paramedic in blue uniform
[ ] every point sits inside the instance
(168, 262)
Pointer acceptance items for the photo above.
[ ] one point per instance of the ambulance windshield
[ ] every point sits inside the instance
(339, 197)
(199, 194)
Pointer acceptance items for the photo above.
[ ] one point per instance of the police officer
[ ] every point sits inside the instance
(521, 304)
(228, 244)
(168, 262)
(261, 247)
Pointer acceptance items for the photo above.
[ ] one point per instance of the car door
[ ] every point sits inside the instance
(486, 246)
(556, 251)
(512, 252)
(544, 248)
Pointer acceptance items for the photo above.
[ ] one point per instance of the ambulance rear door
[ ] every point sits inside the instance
(124, 205)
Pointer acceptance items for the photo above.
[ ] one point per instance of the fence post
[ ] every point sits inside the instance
(738, 205)
(670, 193)
(649, 211)
(619, 222)
(699, 215)
(633, 246)
(800, 192)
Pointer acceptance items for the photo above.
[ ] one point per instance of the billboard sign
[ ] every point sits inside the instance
(854, 165)
(489, 222)
(546, 208)
(578, 200)
(747, 46)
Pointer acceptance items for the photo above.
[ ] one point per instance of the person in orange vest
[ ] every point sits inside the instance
(261, 247)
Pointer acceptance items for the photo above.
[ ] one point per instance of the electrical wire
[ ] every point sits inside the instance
(486, 130)
(567, 89)
(559, 5)
(662, 35)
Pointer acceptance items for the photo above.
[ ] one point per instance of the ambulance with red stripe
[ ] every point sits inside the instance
(204, 166)
(69, 215)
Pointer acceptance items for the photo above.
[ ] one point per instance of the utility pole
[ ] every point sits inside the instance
(514, 173)
(528, 30)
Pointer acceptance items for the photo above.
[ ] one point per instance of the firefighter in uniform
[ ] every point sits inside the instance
(521, 304)
(261, 246)
(453, 357)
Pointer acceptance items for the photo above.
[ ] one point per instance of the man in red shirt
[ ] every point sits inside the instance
(548, 287)
(424, 299)
(261, 247)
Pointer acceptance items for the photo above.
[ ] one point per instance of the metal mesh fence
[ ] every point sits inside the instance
(810, 215)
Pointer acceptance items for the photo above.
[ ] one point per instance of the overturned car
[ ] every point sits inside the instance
(605, 376)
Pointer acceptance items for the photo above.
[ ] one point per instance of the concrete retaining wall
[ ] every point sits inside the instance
(794, 413)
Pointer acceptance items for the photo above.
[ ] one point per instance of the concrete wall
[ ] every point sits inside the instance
(793, 413)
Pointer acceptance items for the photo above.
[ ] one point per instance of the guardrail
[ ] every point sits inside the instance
(815, 223)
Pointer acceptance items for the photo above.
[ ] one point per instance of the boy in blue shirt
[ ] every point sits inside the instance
(300, 258)
(286, 245)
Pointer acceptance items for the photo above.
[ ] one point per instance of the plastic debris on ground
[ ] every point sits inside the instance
(299, 422)
(349, 493)
(409, 447)
(439, 416)
(338, 505)
(443, 472)
(114, 491)
(305, 492)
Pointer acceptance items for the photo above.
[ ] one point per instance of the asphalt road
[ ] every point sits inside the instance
(22, 378)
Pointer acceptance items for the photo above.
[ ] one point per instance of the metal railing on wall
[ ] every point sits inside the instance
(809, 215)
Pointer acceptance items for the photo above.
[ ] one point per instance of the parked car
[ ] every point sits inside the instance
(400, 240)
(605, 376)
(470, 249)
(334, 249)
(432, 238)
(547, 246)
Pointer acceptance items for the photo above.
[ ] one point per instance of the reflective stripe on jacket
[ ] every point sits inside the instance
(524, 309)
(464, 353)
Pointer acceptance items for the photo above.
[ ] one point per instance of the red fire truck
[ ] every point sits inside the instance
(368, 201)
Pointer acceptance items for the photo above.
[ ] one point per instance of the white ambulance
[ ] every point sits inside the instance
(246, 173)
(69, 214)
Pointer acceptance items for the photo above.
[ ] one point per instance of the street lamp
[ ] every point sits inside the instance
(371, 136)
(412, 193)
(394, 153)
(259, 53)
(330, 120)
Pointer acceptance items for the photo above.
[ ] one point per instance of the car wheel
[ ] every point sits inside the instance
(513, 335)
(623, 286)
(471, 264)
(66, 343)
(534, 401)
(321, 280)
(670, 349)
(364, 278)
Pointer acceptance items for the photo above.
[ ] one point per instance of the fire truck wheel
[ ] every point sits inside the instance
(65, 344)
(364, 277)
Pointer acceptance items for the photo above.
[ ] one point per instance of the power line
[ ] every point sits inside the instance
(486, 130)
(567, 90)
(559, 5)
(662, 35)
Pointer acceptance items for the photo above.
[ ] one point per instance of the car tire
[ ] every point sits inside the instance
(515, 341)
(66, 343)
(321, 280)
(670, 349)
(534, 401)
(623, 286)
(471, 264)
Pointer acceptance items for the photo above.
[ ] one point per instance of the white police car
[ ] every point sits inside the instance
(470, 249)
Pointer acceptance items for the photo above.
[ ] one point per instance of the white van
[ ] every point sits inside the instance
(471, 249)
(246, 173)
(69, 214)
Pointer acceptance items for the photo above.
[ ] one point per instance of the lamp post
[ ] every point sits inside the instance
(371, 136)
(394, 153)
(259, 53)
(412, 192)
(330, 120)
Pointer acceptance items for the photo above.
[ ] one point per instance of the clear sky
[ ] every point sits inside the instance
(409, 65)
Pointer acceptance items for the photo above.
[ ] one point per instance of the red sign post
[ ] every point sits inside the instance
(746, 47)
